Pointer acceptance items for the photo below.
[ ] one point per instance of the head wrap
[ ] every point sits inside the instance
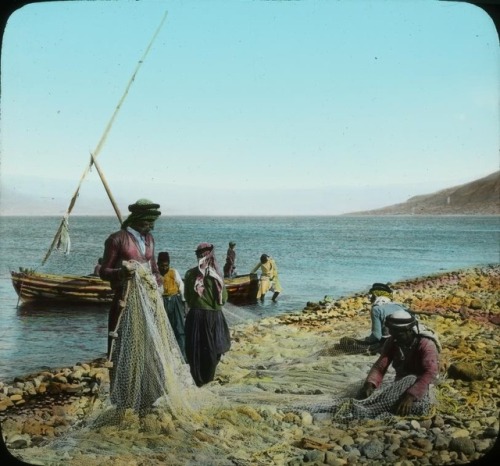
(204, 247)
(401, 320)
(163, 257)
(142, 210)
(207, 266)
(232, 244)
(381, 289)
(405, 321)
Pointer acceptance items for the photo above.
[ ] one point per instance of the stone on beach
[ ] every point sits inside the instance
(462, 306)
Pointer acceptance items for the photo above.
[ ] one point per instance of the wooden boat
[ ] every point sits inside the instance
(73, 289)
(41, 288)
(242, 289)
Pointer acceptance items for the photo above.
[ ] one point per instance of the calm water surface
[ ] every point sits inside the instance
(316, 256)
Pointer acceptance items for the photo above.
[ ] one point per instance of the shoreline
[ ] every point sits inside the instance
(462, 306)
(407, 291)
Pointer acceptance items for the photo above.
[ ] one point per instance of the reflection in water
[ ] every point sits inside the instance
(73, 334)
(47, 309)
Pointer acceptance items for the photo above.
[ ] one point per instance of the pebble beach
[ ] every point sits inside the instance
(463, 307)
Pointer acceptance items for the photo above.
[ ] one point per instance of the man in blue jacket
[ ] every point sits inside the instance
(381, 306)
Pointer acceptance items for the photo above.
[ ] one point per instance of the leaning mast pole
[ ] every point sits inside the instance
(64, 222)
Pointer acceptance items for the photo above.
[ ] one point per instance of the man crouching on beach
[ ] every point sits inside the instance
(413, 351)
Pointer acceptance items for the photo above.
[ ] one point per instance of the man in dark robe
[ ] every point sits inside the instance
(207, 333)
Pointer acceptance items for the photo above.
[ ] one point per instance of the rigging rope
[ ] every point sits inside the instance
(101, 142)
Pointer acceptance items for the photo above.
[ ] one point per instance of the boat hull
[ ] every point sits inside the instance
(37, 287)
(242, 289)
(40, 287)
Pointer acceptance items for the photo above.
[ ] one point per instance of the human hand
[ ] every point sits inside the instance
(126, 272)
(405, 404)
(366, 391)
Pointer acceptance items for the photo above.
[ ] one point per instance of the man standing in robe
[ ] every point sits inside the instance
(132, 242)
(173, 299)
(230, 265)
(207, 333)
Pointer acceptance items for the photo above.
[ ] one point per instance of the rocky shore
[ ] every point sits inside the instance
(462, 306)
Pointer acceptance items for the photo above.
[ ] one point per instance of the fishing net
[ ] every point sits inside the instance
(298, 386)
(148, 368)
(151, 408)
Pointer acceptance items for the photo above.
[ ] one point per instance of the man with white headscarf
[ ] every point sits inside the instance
(207, 332)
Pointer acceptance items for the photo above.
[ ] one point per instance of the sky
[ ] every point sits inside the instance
(245, 107)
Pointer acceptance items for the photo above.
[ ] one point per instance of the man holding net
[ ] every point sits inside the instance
(132, 242)
(413, 351)
(147, 369)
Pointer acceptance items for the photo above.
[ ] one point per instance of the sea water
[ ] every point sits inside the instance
(316, 257)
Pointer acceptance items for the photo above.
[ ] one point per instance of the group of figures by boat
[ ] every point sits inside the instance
(41, 287)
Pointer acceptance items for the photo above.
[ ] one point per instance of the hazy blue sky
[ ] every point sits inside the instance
(247, 107)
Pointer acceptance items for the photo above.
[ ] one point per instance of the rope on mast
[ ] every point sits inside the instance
(100, 144)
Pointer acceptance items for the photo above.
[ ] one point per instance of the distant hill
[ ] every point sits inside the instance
(480, 197)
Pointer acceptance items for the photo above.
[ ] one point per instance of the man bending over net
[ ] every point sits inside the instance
(413, 351)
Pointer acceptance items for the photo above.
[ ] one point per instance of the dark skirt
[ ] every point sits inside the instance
(174, 306)
(207, 338)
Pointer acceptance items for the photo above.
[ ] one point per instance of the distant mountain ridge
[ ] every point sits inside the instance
(479, 197)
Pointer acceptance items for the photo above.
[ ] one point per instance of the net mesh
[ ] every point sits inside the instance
(147, 365)
(148, 374)
(151, 395)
